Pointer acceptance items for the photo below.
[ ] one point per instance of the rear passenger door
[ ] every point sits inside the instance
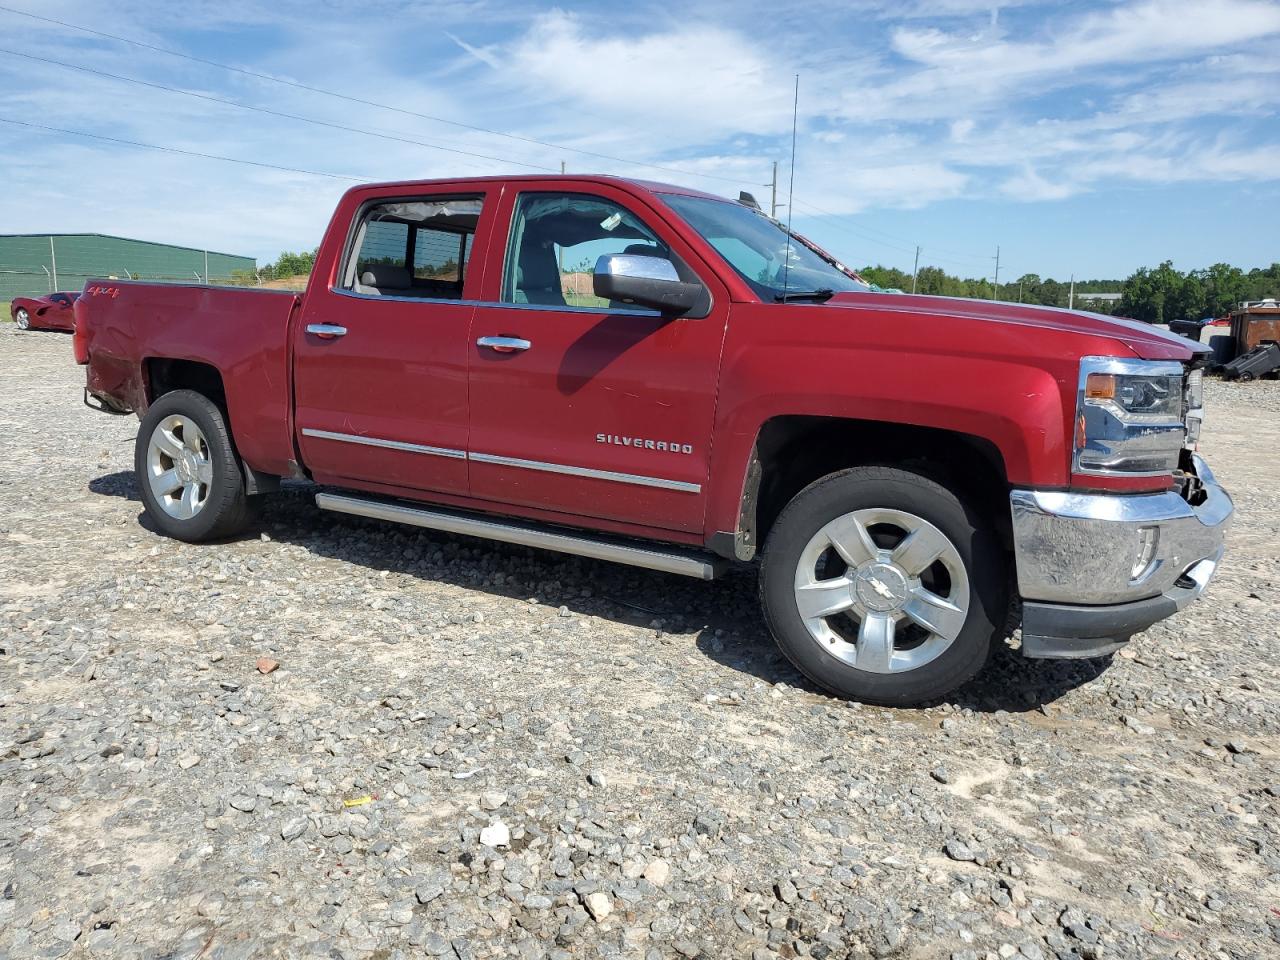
(380, 359)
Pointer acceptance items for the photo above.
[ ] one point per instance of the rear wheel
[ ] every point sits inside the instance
(188, 473)
(23, 319)
(883, 586)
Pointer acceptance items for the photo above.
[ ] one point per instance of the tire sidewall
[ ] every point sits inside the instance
(867, 487)
(226, 483)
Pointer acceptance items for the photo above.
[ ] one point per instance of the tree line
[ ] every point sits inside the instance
(1154, 295)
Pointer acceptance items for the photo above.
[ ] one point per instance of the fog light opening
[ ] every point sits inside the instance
(1148, 542)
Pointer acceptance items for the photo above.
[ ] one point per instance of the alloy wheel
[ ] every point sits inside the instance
(179, 470)
(882, 589)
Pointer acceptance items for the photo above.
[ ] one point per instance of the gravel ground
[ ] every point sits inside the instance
(468, 750)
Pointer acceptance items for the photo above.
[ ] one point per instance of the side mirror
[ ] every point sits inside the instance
(646, 282)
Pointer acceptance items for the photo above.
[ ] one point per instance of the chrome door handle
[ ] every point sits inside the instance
(504, 344)
(326, 331)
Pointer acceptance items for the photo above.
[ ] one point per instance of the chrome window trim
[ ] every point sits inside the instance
(545, 467)
(388, 444)
(543, 307)
(490, 458)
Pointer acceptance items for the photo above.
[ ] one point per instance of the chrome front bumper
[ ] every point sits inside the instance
(1093, 569)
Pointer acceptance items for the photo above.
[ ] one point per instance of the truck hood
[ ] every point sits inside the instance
(1146, 341)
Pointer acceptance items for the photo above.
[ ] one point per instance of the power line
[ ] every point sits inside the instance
(274, 113)
(186, 153)
(368, 103)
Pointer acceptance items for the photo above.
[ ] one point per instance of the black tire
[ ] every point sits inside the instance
(976, 543)
(227, 509)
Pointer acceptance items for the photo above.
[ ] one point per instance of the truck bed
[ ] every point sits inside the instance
(123, 328)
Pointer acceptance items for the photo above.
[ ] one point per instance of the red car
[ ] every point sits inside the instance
(645, 374)
(52, 312)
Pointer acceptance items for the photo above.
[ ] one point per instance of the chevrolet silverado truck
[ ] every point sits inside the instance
(650, 375)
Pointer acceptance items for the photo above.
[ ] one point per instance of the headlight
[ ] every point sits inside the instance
(1130, 417)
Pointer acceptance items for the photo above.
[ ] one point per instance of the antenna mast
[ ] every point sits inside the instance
(791, 187)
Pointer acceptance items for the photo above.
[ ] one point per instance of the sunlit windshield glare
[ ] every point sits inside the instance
(760, 250)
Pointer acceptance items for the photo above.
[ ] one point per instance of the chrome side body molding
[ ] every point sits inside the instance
(651, 557)
(389, 444)
(542, 466)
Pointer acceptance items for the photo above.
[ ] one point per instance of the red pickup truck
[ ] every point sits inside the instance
(655, 376)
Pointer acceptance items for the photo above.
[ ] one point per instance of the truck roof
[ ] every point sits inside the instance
(648, 186)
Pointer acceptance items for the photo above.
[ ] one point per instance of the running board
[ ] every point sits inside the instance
(655, 557)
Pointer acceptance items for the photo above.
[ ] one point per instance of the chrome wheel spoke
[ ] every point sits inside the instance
(204, 473)
(192, 438)
(822, 598)
(851, 539)
(190, 500)
(166, 483)
(167, 443)
(919, 550)
(936, 614)
(875, 643)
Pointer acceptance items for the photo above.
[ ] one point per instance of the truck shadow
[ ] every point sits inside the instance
(722, 619)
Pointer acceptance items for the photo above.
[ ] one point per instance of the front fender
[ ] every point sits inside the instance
(1016, 405)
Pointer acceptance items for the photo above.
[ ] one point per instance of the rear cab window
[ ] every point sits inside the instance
(415, 248)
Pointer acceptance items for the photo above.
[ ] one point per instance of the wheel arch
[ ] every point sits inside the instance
(162, 375)
(792, 451)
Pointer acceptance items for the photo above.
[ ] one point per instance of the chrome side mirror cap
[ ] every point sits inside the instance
(646, 282)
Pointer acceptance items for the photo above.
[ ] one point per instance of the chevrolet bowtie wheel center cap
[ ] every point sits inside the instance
(881, 587)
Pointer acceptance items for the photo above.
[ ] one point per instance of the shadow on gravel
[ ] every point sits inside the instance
(116, 485)
(722, 618)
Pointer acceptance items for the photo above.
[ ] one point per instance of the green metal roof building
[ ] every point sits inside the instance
(34, 264)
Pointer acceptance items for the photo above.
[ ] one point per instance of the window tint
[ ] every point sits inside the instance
(438, 254)
(555, 242)
(385, 242)
(414, 248)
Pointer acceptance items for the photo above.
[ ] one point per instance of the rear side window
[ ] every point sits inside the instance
(413, 248)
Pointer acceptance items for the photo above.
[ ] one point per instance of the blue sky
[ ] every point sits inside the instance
(1085, 138)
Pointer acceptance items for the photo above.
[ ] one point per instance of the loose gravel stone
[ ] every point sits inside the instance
(653, 777)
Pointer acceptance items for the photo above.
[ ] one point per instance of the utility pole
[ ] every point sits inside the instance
(995, 284)
(562, 168)
(53, 259)
(915, 269)
(773, 193)
(1019, 291)
(1071, 297)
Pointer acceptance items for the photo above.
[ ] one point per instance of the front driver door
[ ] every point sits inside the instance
(583, 407)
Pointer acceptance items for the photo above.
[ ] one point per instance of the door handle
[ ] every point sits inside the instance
(504, 344)
(326, 331)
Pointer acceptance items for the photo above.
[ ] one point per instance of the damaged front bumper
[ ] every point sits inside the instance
(1094, 569)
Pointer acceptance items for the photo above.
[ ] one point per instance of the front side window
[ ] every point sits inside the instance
(556, 239)
(416, 248)
(774, 263)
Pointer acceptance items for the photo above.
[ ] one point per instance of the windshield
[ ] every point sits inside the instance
(775, 264)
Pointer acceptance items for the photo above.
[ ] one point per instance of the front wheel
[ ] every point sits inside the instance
(187, 470)
(883, 586)
(22, 319)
